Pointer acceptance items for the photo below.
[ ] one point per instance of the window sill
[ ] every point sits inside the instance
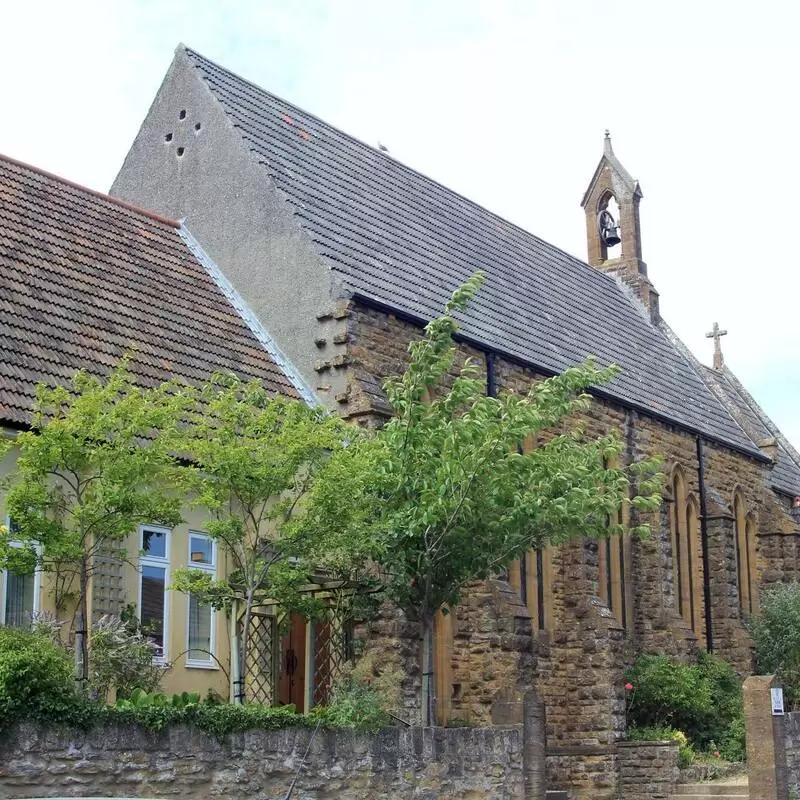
(201, 665)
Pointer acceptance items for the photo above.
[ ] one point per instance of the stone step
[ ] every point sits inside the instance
(706, 796)
(553, 794)
(719, 790)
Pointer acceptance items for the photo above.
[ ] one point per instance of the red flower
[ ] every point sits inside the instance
(628, 687)
(716, 754)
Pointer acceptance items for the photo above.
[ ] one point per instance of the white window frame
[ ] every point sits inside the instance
(162, 563)
(37, 579)
(211, 569)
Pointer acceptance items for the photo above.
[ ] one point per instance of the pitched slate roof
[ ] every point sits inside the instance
(786, 473)
(85, 278)
(398, 238)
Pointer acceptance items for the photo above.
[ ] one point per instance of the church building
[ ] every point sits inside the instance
(343, 254)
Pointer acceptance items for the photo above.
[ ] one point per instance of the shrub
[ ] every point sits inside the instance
(353, 704)
(776, 637)
(156, 711)
(36, 677)
(732, 746)
(667, 694)
(141, 699)
(702, 699)
(726, 700)
(121, 658)
(366, 695)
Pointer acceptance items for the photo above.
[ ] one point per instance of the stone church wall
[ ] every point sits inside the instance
(581, 661)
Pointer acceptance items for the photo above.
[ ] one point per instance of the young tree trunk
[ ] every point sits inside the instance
(428, 684)
(244, 656)
(82, 627)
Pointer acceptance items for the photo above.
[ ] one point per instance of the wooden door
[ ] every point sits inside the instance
(292, 668)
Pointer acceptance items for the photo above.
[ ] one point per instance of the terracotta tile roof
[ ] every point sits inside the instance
(85, 278)
(399, 239)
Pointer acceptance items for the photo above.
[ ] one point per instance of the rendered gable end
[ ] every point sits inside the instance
(207, 176)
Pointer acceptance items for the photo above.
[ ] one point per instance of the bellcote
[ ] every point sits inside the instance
(613, 230)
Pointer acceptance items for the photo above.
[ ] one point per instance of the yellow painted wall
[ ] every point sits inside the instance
(179, 677)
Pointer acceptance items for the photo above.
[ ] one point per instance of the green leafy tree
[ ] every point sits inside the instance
(255, 458)
(776, 637)
(448, 491)
(92, 467)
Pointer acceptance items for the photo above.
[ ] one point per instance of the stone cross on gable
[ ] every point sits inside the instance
(716, 334)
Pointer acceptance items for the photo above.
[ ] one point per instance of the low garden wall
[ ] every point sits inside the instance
(630, 770)
(792, 747)
(648, 770)
(128, 761)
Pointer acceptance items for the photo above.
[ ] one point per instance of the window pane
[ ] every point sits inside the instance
(201, 550)
(152, 613)
(154, 543)
(19, 599)
(200, 619)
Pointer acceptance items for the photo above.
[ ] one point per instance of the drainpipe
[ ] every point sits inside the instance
(237, 679)
(491, 379)
(701, 477)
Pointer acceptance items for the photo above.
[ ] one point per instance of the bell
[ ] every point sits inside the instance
(608, 228)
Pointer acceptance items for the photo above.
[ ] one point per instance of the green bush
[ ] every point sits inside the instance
(702, 699)
(353, 704)
(139, 698)
(776, 637)
(216, 720)
(36, 678)
(121, 658)
(733, 746)
(667, 694)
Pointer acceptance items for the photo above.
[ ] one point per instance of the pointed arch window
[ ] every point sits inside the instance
(745, 545)
(694, 566)
(533, 577)
(686, 562)
(614, 568)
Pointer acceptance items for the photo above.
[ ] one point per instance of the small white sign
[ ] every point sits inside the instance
(777, 702)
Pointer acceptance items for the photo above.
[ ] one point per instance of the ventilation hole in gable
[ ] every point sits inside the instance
(197, 127)
(181, 151)
(168, 137)
(182, 115)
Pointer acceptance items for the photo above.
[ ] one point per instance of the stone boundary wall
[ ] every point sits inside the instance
(630, 770)
(126, 761)
(647, 770)
(792, 744)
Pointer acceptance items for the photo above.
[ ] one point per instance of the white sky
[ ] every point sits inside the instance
(505, 102)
